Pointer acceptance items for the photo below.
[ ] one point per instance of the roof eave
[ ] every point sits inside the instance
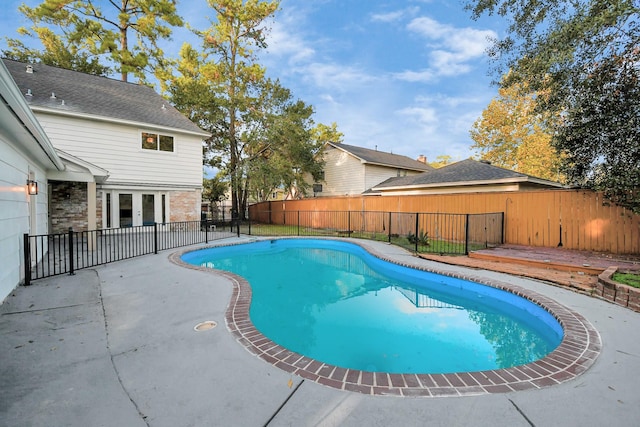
(512, 180)
(16, 103)
(389, 165)
(94, 117)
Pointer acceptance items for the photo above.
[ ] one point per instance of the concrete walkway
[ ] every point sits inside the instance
(116, 346)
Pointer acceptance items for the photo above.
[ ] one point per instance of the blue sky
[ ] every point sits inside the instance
(408, 77)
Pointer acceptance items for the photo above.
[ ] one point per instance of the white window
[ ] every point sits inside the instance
(157, 142)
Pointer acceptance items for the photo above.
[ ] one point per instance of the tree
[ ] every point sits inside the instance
(214, 190)
(608, 101)
(442, 160)
(512, 134)
(220, 86)
(56, 53)
(561, 48)
(89, 32)
(262, 138)
(285, 145)
(324, 133)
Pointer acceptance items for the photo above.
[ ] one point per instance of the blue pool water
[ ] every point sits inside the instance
(334, 302)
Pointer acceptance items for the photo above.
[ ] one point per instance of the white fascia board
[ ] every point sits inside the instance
(387, 165)
(94, 117)
(469, 183)
(97, 173)
(147, 186)
(19, 107)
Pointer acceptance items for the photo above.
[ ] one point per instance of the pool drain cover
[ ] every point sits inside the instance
(205, 326)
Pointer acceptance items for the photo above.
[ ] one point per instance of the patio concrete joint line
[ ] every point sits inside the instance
(275, 414)
(111, 356)
(37, 310)
(522, 413)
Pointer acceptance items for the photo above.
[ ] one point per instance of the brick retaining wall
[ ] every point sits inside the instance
(626, 296)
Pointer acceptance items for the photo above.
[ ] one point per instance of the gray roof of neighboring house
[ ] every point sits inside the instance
(381, 158)
(85, 94)
(465, 171)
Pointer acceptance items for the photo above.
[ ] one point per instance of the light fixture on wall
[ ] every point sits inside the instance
(32, 187)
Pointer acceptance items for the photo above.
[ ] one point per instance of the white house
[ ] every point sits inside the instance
(351, 170)
(131, 158)
(26, 155)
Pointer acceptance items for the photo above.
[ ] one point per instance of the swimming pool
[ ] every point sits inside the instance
(333, 302)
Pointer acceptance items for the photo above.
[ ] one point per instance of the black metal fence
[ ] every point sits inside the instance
(441, 233)
(54, 254)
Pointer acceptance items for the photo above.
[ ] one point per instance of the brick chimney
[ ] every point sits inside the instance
(422, 159)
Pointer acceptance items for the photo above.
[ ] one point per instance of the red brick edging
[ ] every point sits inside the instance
(578, 350)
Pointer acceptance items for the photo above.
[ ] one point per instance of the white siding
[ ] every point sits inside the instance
(375, 174)
(15, 208)
(343, 174)
(117, 148)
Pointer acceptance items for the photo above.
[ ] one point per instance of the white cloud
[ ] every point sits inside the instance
(394, 16)
(328, 75)
(387, 17)
(415, 76)
(282, 43)
(425, 116)
(451, 49)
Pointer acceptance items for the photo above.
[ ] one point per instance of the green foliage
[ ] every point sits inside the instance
(422, 239)
(282, 148)
(442, 160)
(323, 133)
(630, 279)
(221, 88)
(262, 138)
(56, 53)
(513, 135)
(583, 58)
(215, 189)
(600, 136)
(92, 34)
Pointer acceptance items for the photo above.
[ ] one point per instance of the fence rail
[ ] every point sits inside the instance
(421, 232)
(53, 254)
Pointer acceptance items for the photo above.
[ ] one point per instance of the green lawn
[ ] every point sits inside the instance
(434, 246)
(631, 279)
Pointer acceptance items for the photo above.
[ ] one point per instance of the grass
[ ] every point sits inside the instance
(435, 246)
(630, 279)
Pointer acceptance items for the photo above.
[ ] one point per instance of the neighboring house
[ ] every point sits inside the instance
(351, 170)
(463, 177)
(130, 157)
(26, 154)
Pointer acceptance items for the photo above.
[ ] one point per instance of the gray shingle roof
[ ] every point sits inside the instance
(97, 96)
(382, 158)
(468, 170)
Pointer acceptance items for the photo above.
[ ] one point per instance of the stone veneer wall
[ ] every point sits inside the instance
(68, 206)
(99, 210)
(185, 205)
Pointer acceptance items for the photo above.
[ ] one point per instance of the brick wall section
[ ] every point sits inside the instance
(68, 206)
(185, 206)
(99, 210)
(626, 296)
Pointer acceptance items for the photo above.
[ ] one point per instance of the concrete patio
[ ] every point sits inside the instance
(115, 345)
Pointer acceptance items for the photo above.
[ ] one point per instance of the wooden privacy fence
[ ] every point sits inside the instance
(573, 219)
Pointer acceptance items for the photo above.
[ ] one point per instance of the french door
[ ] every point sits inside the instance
(129, 209)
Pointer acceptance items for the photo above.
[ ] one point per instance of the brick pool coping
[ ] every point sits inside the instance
(578, 350)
